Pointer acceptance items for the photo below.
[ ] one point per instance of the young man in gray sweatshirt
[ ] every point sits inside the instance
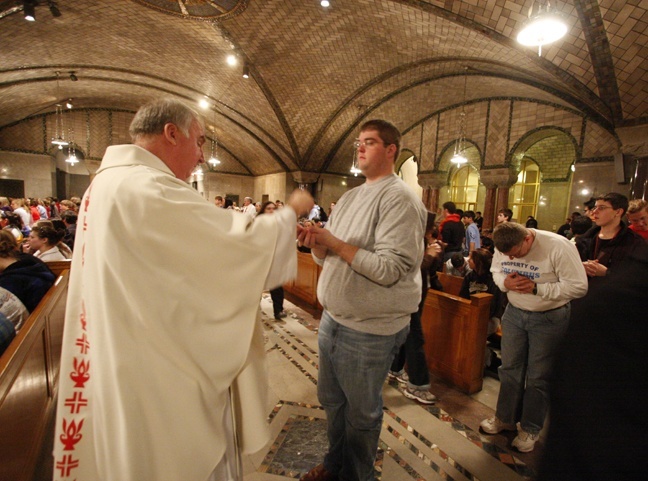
(370, 284)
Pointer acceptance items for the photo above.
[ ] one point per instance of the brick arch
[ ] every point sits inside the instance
(473, 153)
(553, 148)
(403, 156)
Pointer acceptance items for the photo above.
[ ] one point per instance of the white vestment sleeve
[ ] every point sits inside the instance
(284, 260)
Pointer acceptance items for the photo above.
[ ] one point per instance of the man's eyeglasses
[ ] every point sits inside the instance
(367, 144)
(601, 207)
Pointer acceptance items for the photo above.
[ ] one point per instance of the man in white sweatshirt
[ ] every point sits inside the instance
(541, 272)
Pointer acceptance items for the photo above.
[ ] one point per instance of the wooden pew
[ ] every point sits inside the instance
(58, 267)
(451, 284)
(29, 370)
(305, 284)
(455, 337)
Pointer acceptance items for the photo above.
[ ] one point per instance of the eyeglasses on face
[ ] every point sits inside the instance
(367, 144)
(601, 207)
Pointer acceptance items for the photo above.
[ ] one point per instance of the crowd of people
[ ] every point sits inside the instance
(34, 231)
(199, 349)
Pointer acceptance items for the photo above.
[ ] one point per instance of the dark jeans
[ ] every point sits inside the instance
(412, 352)
(277, 296)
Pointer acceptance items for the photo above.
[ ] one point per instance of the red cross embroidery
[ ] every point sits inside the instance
(66, 465)
(83, 343)
(76, 402)
(80, 374)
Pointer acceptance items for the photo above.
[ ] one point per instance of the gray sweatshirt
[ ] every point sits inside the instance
(379, 292)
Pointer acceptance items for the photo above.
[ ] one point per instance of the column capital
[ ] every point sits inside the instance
(433, 180)
(634, 140)
(501, 177)
(302, 177)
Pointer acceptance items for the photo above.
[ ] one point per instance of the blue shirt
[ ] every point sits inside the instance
(472, 235)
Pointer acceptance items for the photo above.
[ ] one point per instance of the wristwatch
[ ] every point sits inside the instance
(535, 289)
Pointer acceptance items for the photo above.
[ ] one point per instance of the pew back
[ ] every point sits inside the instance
(451, 284)
(454, 330)
(29, 370)
(304, 285)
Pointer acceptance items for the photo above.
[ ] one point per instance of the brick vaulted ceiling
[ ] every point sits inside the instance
(316, 73)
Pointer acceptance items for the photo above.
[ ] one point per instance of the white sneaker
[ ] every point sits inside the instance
(425, 397)
(524, 442)
(494, 425)
(402, 378)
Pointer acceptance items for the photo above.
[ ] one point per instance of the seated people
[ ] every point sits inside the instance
(69, 218)
(44, 242)
(13, 223)
(12, 309)
(487, 240)
(25, 276)
(7, 333)
(480, 279)
(457, 265)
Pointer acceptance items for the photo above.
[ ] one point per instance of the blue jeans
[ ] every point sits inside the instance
(529, 341)
(353, 367)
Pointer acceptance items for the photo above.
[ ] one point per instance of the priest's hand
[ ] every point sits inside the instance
(301, 202)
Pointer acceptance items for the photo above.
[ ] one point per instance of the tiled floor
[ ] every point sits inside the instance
(417, 442)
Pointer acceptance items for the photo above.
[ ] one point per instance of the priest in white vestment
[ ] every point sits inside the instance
(162, 372)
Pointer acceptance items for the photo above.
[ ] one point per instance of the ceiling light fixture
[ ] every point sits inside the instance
(68, 104)
(246, 71)
(72, 158)
(231, 60)
(54, 9)
(355, 170)
(59, 131)
(545, 25)
(203, 103)
(29, 7)
(459, 156)
(213, 158)
(325, 3)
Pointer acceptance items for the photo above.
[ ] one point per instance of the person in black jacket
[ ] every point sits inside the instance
(597, 391)
(607, 244)
(452, 231)
(416, 379)
(25, 276)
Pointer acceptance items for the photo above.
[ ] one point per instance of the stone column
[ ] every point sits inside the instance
(489, 207)
(432, 182)
(501, 179)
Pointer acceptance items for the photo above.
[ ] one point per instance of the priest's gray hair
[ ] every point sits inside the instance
(151, 118)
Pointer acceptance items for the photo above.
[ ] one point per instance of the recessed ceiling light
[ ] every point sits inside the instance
(231, 60)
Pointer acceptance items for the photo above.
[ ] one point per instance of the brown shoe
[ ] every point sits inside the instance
(319, 473)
